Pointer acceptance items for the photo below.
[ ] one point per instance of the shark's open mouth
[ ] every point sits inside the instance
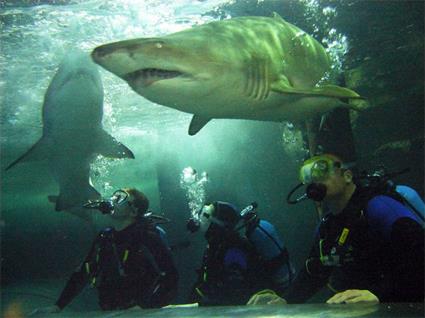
(150, 75)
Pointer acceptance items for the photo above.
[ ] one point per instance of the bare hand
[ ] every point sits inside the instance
(266, 297)
(45, 310)
(352, 296)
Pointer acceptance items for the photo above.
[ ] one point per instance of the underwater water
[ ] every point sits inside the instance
(377, 48)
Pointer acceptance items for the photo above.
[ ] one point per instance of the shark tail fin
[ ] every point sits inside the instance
(109, 147)
(34, 153)
(68, 198)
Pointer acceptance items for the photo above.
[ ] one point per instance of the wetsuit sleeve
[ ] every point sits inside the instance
(77, 281)
(312, 277)
(404, 234)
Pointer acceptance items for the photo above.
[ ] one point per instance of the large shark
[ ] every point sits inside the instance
(257, 68)
(72, 130)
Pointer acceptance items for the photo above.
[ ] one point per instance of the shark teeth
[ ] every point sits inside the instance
(150, 75)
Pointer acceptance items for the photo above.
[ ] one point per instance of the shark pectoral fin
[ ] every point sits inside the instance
(109, 147)
(337, 92)
(284, 86)
(71, 197)
(333, 91)
(38, 151)
(197, 123)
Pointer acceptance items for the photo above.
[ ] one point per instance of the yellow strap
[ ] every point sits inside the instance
(199, 292)
(98, 255)
(87, 268)
(265, 291)
(306, 266)
(343, 236)
(332, 289)
(124, 259)
(320, 247)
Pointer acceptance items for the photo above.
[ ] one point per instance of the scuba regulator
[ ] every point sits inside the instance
(314, 191)
(104, 206)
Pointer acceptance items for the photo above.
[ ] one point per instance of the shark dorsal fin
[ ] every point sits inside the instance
(277, 17)
(197, 123)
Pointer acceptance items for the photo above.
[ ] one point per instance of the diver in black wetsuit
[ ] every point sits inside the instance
(369, 248)
(235, 264)
(129, 264)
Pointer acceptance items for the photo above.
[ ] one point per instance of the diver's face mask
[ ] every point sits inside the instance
(206, 217)
(120, 200)
(318, 170)
(202, 220)
(314, 173)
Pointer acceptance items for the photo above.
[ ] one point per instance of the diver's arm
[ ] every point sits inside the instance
(405, 236)
(303, 287)
(312, 277)
(73, 287)
(77, 281)
(407, 239)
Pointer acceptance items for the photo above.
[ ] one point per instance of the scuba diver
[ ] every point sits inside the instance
(236, 265)
(130, 264)
(368, 248)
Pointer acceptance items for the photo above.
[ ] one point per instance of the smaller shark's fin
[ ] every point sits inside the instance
(34, 153)
(283, 86)
(312, 130)
(197, 123)
(111, 148)
(52, 198)
(68, 198)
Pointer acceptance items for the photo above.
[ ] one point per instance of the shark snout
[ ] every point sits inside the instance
(101, 52)
(116, 58)
(107, 51)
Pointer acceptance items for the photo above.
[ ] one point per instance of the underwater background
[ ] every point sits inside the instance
(377, 47)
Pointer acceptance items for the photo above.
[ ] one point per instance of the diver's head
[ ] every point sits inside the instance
(218, 216)
(129, 202)
(326, 177)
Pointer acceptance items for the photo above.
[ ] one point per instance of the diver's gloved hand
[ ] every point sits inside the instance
(266, 297)
(351, 296)
(45, 310)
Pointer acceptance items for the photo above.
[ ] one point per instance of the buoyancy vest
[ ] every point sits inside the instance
(269, 245)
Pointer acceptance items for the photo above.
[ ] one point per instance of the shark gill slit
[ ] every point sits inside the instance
(249, 82)
(259, 81)
(266, 81)
(254, 82)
